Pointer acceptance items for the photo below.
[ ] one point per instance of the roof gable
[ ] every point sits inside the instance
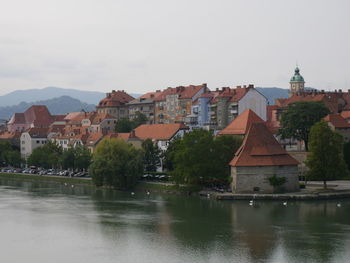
(260, 148)
(241, 124)
(158, 131)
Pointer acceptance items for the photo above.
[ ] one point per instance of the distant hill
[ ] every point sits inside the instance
(61, 105)
(273, 93)
(31, 95)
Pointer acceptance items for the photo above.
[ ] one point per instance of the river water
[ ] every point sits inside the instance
(51, 223)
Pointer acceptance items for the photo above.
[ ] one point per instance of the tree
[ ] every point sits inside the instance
(82, 158)
(116, 163)
(126, 125)
(200, 158)
(47, 156)
(9, 156)
(347, 154)
(298, 119)
(325, 160)
(139, 119)
(151, 155)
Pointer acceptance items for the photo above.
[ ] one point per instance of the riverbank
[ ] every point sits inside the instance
(313, 191)
(167, 188)
(48, 179)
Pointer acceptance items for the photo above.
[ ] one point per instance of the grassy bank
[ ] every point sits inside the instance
(141, 186)
(48, 179)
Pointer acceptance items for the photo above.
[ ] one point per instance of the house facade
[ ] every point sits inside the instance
(115, 104)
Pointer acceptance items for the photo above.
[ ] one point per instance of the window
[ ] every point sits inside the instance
(23, 142)
(37, 142)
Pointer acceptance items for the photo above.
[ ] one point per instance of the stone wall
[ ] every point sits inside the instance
(255, 179)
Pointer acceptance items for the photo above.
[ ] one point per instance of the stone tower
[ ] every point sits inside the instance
(296, 82)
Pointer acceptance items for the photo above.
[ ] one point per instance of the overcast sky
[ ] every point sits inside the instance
(140, 45)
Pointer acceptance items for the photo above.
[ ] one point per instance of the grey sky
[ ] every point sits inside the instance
(139, 45)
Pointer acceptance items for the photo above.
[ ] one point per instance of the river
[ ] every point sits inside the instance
(49, 223)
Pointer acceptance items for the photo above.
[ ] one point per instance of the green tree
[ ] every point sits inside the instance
(347, 154)
(200, 158)
(47, 156)
(116, 163)
(169, 154)
(151, 155)
(68, 158)
(139, 119)
(298, 119)
(82, 158)
(325, 160)
(225, 146)
(5, 147)
(126, 125)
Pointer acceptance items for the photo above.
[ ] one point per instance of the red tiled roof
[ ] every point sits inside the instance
(260, 148)
(337, 121)
(38, 132)
(59, 117)
(345, 114)
(184, 92)
(72, 115)
(115, 98)
(37, 115)
(93, 138)
(150, 95)
(241, 124)
(118, 135)
(10, 135)
(158, 131)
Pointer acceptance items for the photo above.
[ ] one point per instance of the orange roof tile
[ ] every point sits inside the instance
(115, 98)
(260, 148)
(337, 121)
(241, 124)
(118, 135)
(38, 132)
(158, 131)
(10, 135)
(345, 114)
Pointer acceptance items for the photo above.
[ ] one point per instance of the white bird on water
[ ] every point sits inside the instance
(339, 205)
(132, 193)
(65, 184)
(251, 202)
(148, 193)
(72, 185)
(285, 203)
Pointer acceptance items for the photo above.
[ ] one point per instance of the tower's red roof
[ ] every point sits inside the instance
(260, 148)
(241, 124)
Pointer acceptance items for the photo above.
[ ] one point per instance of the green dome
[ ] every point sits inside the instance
(297, 77)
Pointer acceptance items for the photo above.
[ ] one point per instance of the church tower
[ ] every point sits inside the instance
(296, 82)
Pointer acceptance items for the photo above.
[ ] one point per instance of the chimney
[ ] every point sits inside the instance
(113, 91)
(340, 91)
(348, 90)
(204, 85)
(158, 90)
(238, 87)
(217, 89)
(335, 91)
(251, 86)
(322, 91)
(244, 86)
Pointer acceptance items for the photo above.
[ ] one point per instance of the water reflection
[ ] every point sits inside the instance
(105, 225)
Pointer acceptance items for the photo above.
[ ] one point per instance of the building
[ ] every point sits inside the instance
(297, 83)
(230, 103)
(173, 105)
(115, 104)
(337, 123)
(259, 158)
(36, 116)
(161, 134)
(31, 139)
(145, 105)
(241, 124)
